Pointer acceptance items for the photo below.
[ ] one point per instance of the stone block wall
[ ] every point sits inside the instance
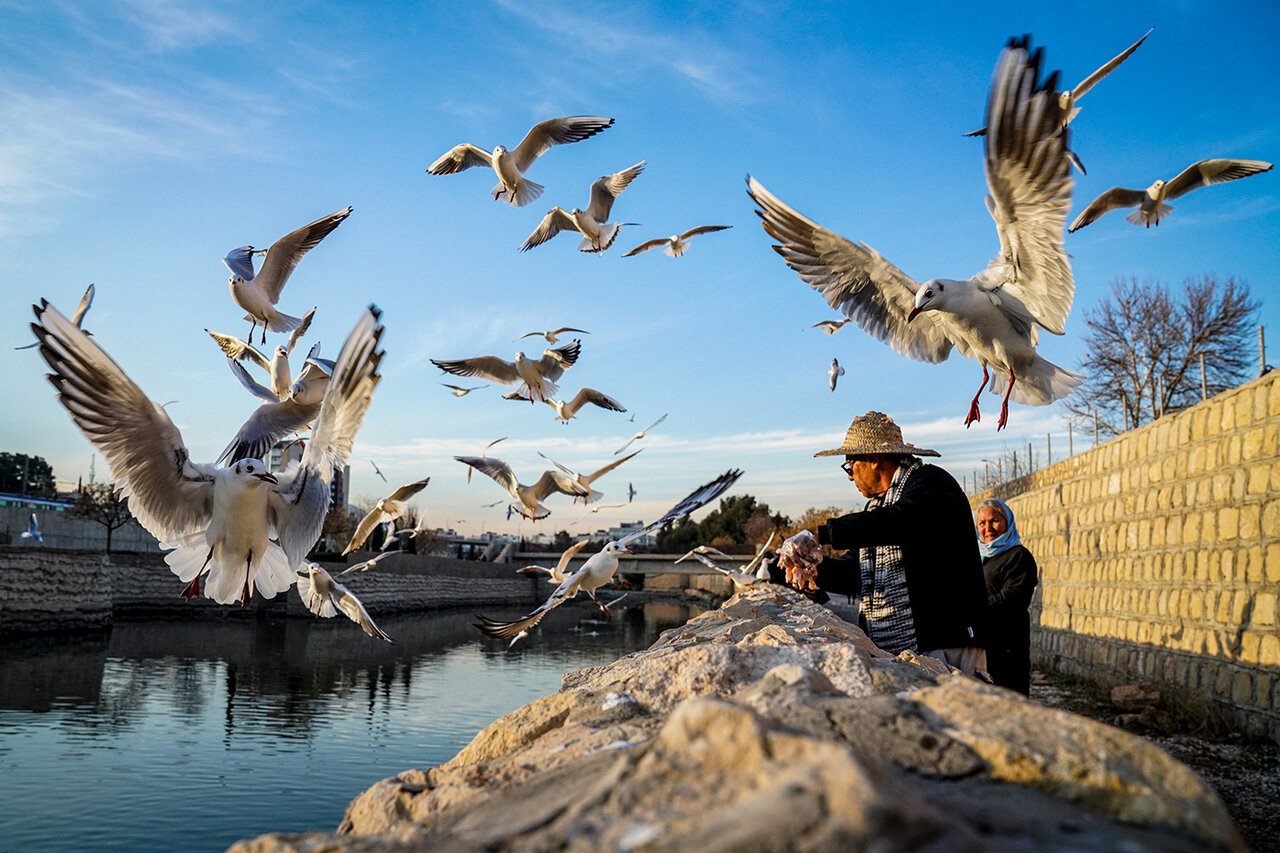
(1159, 556)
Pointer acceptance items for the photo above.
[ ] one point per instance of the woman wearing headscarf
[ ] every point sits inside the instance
(1010, 572)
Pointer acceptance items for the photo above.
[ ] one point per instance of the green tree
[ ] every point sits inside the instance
(102, 503)
(734, 524)
(677, 538)
(21, 474)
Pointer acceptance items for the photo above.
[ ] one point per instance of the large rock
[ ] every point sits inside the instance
(769, 724)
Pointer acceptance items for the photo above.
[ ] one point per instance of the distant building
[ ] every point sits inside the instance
(290, 450)
(626, 528)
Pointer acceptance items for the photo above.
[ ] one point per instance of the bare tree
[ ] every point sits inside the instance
(103, 503)
(1145, 348)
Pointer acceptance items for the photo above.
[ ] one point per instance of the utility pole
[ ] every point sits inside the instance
(1262, 352)
(1071, 450)
(1204, 384)
(1095, 427)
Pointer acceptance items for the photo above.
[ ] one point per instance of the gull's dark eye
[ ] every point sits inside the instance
(928, 294)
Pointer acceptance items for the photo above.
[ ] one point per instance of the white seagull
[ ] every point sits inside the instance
(529, 498)
(557, 574)
(586, 480)
(834, 373)
(277, 367)
(566, 411)
(258, 293)
(325, 597)
(242, 525)
(536, 378)
(369, 563)
(639, 435)
(1151, 201)
(992, 316)
(830, 326)
(677, 244)
(459, 391)
(552, 335)
(386, 511)
(33, 529)
(513, 187)
(378, 470)
(599, 568)
(598, 233)
(86, 302)
(275, 419)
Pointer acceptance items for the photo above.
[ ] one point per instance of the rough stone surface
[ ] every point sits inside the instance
(769, 724)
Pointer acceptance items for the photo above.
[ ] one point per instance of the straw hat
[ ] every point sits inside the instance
(875, 432)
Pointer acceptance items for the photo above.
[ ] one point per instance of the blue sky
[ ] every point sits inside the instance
(140, 141)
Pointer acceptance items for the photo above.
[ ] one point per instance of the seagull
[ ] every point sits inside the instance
(369, 563)
(552, 335)
(586, 480)
(529, 497)
(378, 470)
(78, 317)
(242, 525)
(677, 244)
(830, 326)
(277, 367)
(484, 453)
(324, 596)
(991, 317)
(834, 373)
(513, 187)
(1151, 201)
(557, 575)
(596, 509)
(459, 391)
(33, 529)
(566, 412)
(537, 378)
(593, 223)
(275, 419)
(1067, 100)
(258, 294)
(386, 511)
(639, 435)
(744, 578)
(631, 492)
(600, 567)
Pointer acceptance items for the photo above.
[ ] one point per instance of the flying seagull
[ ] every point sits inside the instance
(598, 233)
(830, 326)
(513, 187)
(586, 480)
(277, 366)
(369, 563)
(834, 373)
(242, 525)
(1151, 201)
(258, 293)
(386, 511)
(275, 419)
(599, 568)
(536, 378)
(324, 596)
(566, 411)
(530, 498)
(86, 302)
(639, 435)
(677, 244)
(33, 529)
(992, 316)
(459, 391)
(557, 574)
(378, 470)
(744, 578)
(552, 335)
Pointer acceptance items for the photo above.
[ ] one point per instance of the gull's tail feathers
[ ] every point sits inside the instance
(528, 191)
(1039, 385)
(1142, 217)
(608, 233)
(278, 322)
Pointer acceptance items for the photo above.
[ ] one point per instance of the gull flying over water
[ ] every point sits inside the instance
(639, 435)
(258, 293)
(536, 378)
(86, 302)
(598, 233)
(513, 187)
(586, 480)
(386, 512)
(834, 373)
(557, 574)
(242, 526)
(1151, 201)
(325, 597)
(599, 568)
(529, 498)
(677, 244)
(992, 316)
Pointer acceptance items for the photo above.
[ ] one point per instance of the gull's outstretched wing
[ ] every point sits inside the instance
(555, 362)
(608, 187)
(567, 589)
(647, 245)
(600, 472)
(557, 481)
(594, 397)
(853, 278)
(553, 223)
(371, 520)
(354, 610)
(1108, 201)
(408, 490)
(695, 499)
(459, 157)
(286, 252)
(555, 131)
(493, 467)
(269, 423)
(1213, 172)
(1029, 178)
(485, 366)
(240, 351)
(296, 334)
(1089, 82)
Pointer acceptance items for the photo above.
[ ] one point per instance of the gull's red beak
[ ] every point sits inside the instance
(912, 315)
(267, 478)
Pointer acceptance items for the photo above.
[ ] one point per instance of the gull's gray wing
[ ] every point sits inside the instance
(169, 494)
(286, 252)
(608, 187)
(557, 464)
(567, 589)
(493, 467)
(240, 262)
(552, 224)
(596, 398)
(647, 245)
(254, 387)
(1088, 83)
(408, 490)
(1029, 178)
(460, 157)
(555, 362)
(268, 424)
(371, 520)
(853, 278)
(555, 131)
(239, 350)
(557, 481)
(302, 499)
(485, 366)
(354, 610)
(1213, 172)
(296, 334)
(703, 229)
(86, 302)
(695, 499)
(600, 472)
(1109, 200)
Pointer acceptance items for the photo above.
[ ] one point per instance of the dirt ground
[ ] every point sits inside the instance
(1244, 772)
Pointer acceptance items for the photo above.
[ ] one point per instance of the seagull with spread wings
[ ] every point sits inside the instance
(513, 187)
(639, 435)
(325, 597)
(834, 373)
(567, 410)
(242, 526)
(536, 378)
(258, 293)
(528, 498)
(33, 529)
(600, 567)
(558, 573)
(275, 419)
(78, 317)
(386, 511)
(1151, 201)
(992, 316)
(277, 367)
(586, 480)
(830, 326)
(677, 244)
(552, 335)
(598, 233)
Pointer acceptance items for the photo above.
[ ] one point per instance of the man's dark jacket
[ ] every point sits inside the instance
(932, 523)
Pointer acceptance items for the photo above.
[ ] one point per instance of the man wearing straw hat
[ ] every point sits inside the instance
(914, 560)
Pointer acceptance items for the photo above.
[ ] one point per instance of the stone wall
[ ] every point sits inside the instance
(1159, 557)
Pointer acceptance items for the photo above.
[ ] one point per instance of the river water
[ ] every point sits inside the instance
(190, 735)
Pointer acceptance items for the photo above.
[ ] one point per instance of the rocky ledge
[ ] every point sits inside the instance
(770, 724)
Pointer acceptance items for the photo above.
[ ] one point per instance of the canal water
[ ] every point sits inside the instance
(190, 735)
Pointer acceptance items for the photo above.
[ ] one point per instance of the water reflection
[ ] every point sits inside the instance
(191, 735)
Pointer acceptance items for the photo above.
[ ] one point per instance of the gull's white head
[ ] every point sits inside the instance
(236, 281)
(1155, 189)
(499, 150)
(281, 352)
(247, 469)
(931, 296)
(615, 548)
